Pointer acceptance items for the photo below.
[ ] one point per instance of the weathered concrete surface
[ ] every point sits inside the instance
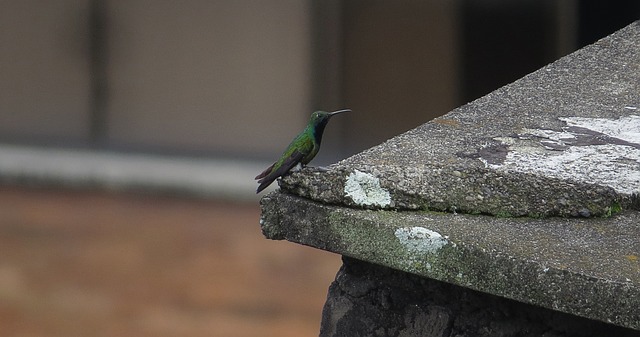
(586, 267)
(538, 183)
(562, 141)
(371, 300)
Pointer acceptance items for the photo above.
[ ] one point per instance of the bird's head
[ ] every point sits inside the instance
(321, 117)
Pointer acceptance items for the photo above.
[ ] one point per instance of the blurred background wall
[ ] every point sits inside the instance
(239, 78)
(196, 96)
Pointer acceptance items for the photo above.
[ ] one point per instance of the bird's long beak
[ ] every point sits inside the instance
(339, 112)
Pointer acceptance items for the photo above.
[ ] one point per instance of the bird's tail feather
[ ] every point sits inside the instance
(266, 179)
(265, 172)
(265, 182)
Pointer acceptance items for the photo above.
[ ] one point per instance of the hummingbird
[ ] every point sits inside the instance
(301, 150)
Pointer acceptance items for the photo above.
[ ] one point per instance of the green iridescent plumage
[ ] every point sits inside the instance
(301, 150)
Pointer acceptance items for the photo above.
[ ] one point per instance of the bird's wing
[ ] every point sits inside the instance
(287, 164)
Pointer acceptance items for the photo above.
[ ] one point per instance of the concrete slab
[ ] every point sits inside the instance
(585, 267)
(562, 141)
(529, 193)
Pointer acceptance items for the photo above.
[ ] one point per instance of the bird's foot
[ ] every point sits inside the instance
(296, 168)
(319, 168)
(300, 167)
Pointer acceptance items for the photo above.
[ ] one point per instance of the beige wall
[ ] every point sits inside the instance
(227, 76)
(215, 76)
(44, 78)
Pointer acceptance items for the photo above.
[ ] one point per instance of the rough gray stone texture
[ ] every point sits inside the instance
(562, 141)
(371, 300)
(585, 267)
(529, 194)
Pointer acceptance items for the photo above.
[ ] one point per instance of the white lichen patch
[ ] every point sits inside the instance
(626, 128)
(420, 240)
(592, 150)
(364, 189)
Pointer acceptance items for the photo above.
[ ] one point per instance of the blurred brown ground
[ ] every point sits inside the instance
(90, 263)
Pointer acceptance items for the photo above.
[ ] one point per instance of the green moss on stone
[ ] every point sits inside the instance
(615, 208)
(504, 214)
